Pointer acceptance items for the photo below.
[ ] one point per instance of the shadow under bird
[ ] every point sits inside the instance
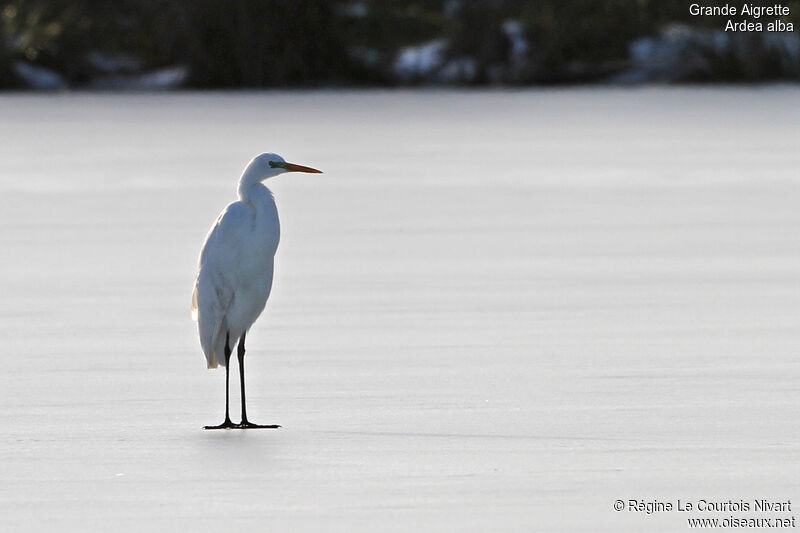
(235, 272)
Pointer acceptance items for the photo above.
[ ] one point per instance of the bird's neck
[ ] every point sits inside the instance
(250, 188)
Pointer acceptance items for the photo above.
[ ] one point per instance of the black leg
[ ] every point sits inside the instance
(227, 423)
(240, 354)
(246, 424)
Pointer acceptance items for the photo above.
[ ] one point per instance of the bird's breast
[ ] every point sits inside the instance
(267, 226)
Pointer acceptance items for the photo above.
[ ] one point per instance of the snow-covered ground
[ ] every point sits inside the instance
(495, 311)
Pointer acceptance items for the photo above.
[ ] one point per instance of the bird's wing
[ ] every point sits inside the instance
(218, 276)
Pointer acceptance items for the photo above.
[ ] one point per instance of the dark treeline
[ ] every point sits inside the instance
(267, 43)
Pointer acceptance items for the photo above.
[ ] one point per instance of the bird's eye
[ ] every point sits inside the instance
(272, 164)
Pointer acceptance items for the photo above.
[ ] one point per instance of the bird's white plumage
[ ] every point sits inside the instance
(236, 263)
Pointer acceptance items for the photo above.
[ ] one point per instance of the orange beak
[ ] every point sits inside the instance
(291, 167)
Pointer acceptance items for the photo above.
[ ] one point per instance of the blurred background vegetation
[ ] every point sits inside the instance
(52, 44)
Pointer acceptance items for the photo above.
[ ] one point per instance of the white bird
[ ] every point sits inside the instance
(235, 271)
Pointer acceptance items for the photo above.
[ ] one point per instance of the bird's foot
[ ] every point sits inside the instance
(225, 425)
(249, 425)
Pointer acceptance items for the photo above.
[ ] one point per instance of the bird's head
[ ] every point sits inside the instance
(266, 166)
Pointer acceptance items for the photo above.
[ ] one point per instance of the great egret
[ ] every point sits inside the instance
(235, 271)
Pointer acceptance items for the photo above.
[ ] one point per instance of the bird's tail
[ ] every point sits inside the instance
(210, 324)
(216, 356)
(194, 303)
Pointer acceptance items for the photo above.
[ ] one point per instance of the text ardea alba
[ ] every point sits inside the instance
(235, 271)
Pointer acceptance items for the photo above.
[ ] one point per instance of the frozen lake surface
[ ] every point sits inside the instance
(495, 311)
